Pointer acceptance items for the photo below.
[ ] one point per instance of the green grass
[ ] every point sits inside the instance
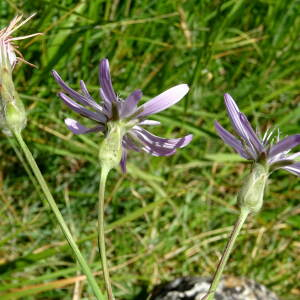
(167, 217)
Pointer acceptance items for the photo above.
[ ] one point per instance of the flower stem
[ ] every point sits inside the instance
(234, 234)
(101, 238)
(37, 173)
(14, 145)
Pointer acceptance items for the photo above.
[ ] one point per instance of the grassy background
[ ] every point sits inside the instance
(167, 217)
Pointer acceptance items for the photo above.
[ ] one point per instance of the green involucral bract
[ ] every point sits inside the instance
(110, 152)
(251, 194)
(12, 111)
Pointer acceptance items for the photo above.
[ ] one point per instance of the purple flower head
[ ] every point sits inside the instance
(269, 151)
(130, 117)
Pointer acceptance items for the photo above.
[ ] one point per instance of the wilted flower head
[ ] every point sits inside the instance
(7, 41)
(268, 150)
(123, 117)
(12, 112)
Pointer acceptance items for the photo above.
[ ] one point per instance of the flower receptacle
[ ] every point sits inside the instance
(12, 111)
(110, 152)
(251, 194)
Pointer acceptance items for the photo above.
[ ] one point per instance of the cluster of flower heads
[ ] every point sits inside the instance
(132, 116)
(269, 151)
(248, 143)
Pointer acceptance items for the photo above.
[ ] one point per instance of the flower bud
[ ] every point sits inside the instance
(251, 194)
(110, 152)
(12, 112)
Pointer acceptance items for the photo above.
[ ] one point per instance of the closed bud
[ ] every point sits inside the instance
(251, 194)
(110, 152)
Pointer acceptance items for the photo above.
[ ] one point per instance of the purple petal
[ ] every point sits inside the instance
(158, 152)
(85, 90)
(97, 116)
(294, 168)
(123, 161)
(255, 141)
(130, 144)
(149, 122)
(163, 100)
(107, 106)
(77, 128)
(85, 100)
(129, 106)
(158, 146)
(281, 157)
(293, 156)
(105, 80)
(140, 144)
(285, 145)
(154, 140)
(232, 141)
(151, 148)
(237, 123)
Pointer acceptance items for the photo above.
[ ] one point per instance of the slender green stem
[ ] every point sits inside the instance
(14, 145)
(234, 234)
(101, 238)
(35, 169)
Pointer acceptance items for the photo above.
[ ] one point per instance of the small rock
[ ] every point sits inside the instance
(194, 288)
